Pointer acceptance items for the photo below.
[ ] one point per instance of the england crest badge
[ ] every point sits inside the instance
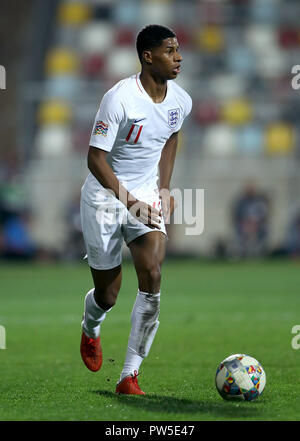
(173, 117)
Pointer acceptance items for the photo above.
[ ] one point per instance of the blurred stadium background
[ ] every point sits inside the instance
(240, 144)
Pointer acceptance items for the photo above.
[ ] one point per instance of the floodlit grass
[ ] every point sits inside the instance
(208, 312)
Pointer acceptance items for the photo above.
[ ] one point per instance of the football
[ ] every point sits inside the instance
(240, 377)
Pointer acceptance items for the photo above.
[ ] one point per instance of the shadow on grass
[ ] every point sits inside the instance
(167, 404)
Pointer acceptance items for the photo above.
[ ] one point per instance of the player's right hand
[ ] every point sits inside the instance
(146, 214)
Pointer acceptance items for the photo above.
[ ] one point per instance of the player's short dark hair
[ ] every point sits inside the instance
(152, 36)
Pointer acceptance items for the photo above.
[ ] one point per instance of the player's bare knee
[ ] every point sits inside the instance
(106, 299)
(155, 275)
(112, 297)
(151, 277)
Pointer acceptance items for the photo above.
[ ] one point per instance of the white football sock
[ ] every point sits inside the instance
(144, 324)
(93, 316)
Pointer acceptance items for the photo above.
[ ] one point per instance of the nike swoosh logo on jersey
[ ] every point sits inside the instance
(138, 120)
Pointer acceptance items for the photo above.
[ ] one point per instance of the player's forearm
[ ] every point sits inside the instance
(165, 174)
(102, 171)
(166, 163)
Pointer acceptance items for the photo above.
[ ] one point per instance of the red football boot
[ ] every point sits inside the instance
(91, 352)
(129, 385)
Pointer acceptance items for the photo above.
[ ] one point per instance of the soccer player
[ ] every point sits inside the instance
(134, 137)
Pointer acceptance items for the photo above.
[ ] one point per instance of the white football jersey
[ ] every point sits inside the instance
(134, 130)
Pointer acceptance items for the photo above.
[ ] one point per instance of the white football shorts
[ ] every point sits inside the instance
(106, 223)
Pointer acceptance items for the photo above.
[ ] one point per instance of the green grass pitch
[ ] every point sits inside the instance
(208, 312)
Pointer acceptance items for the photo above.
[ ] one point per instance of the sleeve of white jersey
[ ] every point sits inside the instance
(106, 124)
(187, 107)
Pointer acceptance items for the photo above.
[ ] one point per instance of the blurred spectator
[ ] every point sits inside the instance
(16, 242)
(293, 239)
(15, 238)
(291, 245)
(251, 222)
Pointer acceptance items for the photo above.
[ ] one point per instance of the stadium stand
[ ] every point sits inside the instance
(237, 68)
